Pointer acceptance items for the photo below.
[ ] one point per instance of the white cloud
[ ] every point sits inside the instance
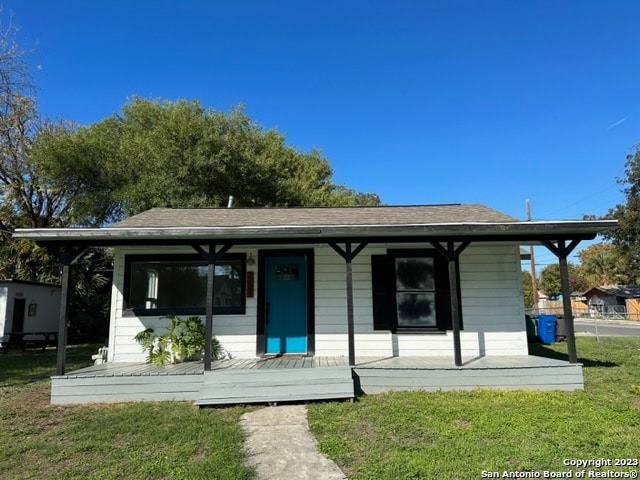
(615, 124)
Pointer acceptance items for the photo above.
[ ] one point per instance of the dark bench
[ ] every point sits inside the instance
(26, 340)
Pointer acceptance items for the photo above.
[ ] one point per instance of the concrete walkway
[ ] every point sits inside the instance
(280, 446)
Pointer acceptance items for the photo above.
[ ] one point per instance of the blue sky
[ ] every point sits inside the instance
(422, 102)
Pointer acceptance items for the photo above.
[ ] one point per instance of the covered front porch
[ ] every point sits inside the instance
(457, 259)
(306, 378)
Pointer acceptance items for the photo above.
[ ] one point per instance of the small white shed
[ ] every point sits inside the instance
(28, 307)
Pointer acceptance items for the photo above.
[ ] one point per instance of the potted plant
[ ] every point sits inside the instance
(182, 341)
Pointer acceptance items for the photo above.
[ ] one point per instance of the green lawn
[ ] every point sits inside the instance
(164, 440)
(402, 435)
(458, 435)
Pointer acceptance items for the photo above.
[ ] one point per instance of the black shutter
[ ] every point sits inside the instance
(382, 281)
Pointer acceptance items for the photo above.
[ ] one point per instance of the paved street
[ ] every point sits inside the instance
(585, 326)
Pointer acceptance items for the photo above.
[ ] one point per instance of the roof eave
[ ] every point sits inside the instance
(506, 229)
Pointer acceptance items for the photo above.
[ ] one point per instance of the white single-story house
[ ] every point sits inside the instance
(29, 312)
(423, 288)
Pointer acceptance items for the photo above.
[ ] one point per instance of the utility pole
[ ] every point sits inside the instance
(534, 281)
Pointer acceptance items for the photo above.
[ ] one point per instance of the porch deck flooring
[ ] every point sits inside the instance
(122, 369)
(130, 369)
(300, 378)
(447, 363)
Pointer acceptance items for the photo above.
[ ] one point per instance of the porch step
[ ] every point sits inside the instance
(233, 386)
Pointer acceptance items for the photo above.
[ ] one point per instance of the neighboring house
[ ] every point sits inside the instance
(439, 281)
(620, 301)
(28, 308)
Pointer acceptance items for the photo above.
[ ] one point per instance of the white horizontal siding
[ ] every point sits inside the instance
(336, 344)
(496, 304)
(331, 295)
(492, 301)
(492, 307)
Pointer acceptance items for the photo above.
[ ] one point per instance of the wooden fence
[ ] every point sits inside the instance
(630, 311)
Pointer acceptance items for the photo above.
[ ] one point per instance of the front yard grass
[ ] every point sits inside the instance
(459, 435)
(163, 440)
(398, 435)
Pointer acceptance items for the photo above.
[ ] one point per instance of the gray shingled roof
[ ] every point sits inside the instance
(622, 291)
(309, 217)
(312, 224)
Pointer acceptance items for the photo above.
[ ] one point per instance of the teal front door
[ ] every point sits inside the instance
(286, 304)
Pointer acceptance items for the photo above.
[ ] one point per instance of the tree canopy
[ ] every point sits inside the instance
(600, 264)
(159, 153)
(527, 289)
(603, 264)
(626, 238)
(26, 198)
(551, 285)
(153, 153)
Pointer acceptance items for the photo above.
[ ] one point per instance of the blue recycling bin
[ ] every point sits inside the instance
(546, 328)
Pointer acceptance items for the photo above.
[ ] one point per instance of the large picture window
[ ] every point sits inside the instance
(410, 291)
(162, 284)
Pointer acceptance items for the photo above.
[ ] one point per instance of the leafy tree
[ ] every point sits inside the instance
(527, 289)
(179, 154)
(551, 284)
(154, 153)
(14, 81)
(34, 199)
(91, 291)
(627, 236)
(603, 264)
(29, 197)
(25, 199)
(71, 162)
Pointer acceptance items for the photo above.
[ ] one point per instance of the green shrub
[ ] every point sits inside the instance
(183, 341)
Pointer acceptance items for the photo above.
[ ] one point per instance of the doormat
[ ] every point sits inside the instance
(282, 357)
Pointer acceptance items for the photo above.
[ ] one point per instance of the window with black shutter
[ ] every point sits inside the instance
(410, 291)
